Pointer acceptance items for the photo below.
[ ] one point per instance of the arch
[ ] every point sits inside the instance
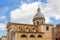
(39, 36)
(32, 36)
(23, 36)
(37, 22)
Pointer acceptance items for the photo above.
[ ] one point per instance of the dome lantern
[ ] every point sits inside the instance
(38, 10)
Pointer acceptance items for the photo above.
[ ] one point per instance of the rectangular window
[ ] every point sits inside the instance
(47, 28)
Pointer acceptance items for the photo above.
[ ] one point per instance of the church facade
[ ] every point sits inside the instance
(39, 30)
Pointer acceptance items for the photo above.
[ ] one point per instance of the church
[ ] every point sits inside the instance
(39, 30)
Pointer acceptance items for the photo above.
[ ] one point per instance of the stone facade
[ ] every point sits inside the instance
(15, 31)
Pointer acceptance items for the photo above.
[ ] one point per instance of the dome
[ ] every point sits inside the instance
(39, 15)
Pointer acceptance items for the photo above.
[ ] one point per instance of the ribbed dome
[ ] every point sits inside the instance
(39, 15)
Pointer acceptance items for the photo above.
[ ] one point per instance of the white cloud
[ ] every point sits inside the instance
(2, 26)
(26, 12)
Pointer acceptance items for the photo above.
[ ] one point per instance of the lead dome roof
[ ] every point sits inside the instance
(39, 15)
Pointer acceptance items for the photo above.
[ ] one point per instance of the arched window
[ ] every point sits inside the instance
(37, 22)
(33, 28)
(32, 36)
(39, 36)
(23, 36)
(47, 28)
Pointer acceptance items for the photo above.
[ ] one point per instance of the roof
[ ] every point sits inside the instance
(12, 23)
(39, 15)
(4, 36)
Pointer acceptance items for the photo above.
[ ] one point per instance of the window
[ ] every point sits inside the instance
(47, 28)
(32, 36)
(33, 28)
(23, 36)
(39, 36)
(37, 22)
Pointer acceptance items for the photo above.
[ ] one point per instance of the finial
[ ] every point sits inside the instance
(38, 10)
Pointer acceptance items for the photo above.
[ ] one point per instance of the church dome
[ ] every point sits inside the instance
(39, 15)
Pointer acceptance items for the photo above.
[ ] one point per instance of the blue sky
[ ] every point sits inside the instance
(6, 6)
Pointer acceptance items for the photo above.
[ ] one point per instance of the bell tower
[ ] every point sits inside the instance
(39, 17)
